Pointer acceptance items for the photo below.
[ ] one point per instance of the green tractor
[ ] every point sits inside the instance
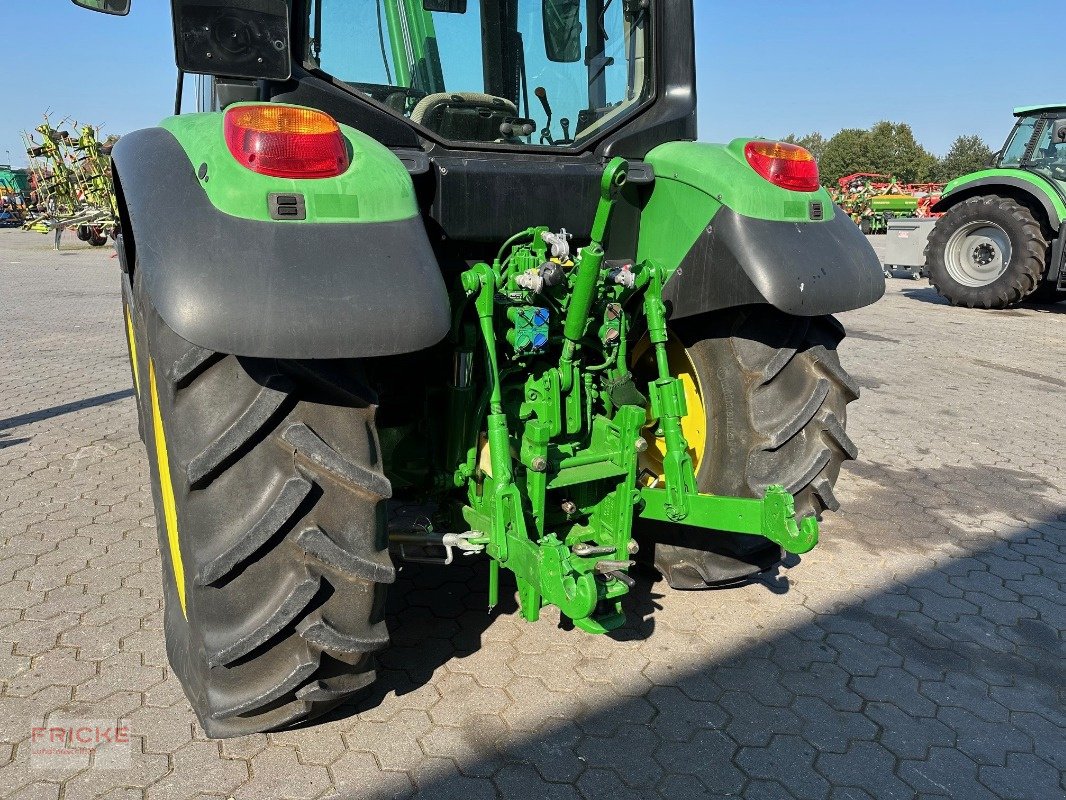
(1001, 239)
(443, 279)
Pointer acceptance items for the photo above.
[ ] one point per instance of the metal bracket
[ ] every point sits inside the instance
(772, 517)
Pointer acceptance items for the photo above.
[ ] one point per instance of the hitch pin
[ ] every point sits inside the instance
(449, 541)
(584, 550)
(613, 569)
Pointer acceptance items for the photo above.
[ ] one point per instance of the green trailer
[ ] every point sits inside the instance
(17, 181)
(447, 278)
(1001, 238)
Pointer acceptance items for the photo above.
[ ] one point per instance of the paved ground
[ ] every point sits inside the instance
(918, 652)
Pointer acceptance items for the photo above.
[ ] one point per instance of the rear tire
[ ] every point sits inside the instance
(987, 252)
(776, 400)
(277, 499)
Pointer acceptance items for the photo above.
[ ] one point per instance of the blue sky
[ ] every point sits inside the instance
(769, 68)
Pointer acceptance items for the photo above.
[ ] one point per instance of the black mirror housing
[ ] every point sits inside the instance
(445, 6)
(118, 8)
(233, 38)
(1058, 131)
(562, 30)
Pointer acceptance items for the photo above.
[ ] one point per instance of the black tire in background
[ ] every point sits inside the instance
(276, 493)
(1045, 294)
(776, 401)
(998, 231)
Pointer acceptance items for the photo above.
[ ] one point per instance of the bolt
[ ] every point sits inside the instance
(633, 548)
(610, 336)
(539, 464)
(569, 507)
(641, 444)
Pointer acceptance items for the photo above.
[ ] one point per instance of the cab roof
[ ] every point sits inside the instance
(1023, 111)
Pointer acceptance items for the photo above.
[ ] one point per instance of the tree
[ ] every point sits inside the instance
(845, 153)
(813, 142)
(892, 149)
(967, 154)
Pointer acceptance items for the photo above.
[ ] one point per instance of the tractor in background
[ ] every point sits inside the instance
(1000, 239)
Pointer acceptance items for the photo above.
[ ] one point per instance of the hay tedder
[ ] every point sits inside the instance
(71, 183)
(457, 278)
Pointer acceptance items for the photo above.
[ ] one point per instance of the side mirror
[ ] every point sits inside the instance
(119, 8)
(446, 6)
(1058, 132)
(562, 30)
(249, 39)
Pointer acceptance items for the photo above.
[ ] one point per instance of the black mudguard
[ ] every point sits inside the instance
(271, 289)
(803, 268)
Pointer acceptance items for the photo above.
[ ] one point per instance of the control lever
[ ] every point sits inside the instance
(565, 124)
(546, 134)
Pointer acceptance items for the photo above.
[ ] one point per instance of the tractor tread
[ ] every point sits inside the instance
(336, 688)
(838, 437)
(800, 418)
(290, 683)
(293, 493)
(320, 633)
(823, 490)
(287, 610)
(323, 457)
(831, 369)
(212, 459)
(317, 544)
(192, 363)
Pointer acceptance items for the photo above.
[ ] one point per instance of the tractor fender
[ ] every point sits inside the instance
(728, 237)
(271, 289)
(806, 269)
(1010, 185)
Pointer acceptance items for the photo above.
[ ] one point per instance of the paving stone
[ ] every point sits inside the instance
(916, 654)
(1024, 777)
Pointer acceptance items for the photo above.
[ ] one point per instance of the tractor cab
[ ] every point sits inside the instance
(524, 99)
(528, 74)
(1037, 143)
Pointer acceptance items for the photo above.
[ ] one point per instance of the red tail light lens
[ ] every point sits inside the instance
(286, 142)
(786, 165)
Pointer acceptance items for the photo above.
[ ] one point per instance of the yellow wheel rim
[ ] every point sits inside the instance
(693, 424)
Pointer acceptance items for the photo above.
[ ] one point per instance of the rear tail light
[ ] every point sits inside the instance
(786, 165)
(286, 142)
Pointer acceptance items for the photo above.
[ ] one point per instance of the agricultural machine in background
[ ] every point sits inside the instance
(71, 183)
(1001, 238)
(14, 189)
(463, 281)
(872, 199)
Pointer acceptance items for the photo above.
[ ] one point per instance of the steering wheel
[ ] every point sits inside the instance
(1053, 165)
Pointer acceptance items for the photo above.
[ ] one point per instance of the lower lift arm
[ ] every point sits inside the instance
(680, 502)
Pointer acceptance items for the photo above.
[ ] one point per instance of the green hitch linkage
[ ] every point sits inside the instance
(772, 517)
(588, 269)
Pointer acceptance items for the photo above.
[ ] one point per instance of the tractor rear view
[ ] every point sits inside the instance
(456, 279)
(1000, 239)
